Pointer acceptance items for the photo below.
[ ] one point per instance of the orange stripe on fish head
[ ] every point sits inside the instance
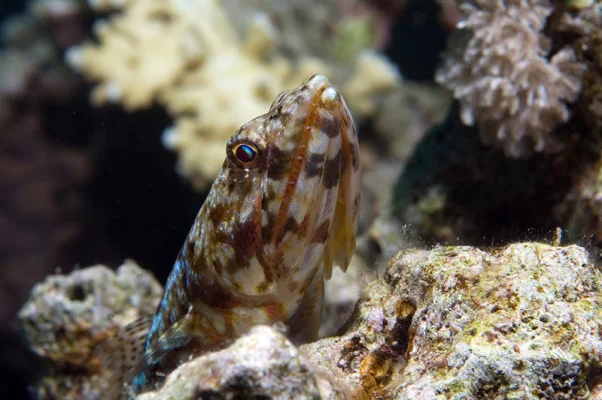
(285, 201)
(312, 183)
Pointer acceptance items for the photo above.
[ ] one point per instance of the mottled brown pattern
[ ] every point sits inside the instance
(206, 329)
(305, 284)
(314, 164)
(280, 163)
(291, 225)
(265, 232)
(210, 291)
(354, 156)
(332, 172)
(263, 287)
(276, 312)
(246, 240)
(321, 233)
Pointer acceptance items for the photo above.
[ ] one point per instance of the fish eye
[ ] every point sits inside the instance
(246, 153)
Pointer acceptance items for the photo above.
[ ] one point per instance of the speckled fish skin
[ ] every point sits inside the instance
(268, 234)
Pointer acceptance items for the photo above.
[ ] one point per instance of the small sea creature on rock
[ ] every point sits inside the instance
(281, 213)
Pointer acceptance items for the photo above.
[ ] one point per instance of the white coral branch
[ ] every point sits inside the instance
(504, 77)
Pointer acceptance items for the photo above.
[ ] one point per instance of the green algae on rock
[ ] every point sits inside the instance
(522, 322)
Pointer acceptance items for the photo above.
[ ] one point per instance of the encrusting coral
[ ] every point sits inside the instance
(508, 78)
(188, 57)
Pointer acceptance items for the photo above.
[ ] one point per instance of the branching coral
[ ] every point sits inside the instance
(188, 57)
(505, 77)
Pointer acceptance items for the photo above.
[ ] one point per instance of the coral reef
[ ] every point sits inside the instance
(509, 79)
(457, 322)
(453, 190)
(580, 212)
(187, 56)
(67, 316)
(456, 191)
(262, 364)
(519, 321)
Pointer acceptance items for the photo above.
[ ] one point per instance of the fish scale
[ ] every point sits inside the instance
(280, 214)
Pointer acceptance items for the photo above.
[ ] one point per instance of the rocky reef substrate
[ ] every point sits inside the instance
(523, 321)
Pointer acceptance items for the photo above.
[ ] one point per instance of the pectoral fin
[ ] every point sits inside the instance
(119, 354)
(176, 336)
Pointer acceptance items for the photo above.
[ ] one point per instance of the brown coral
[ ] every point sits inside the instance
(501, 69)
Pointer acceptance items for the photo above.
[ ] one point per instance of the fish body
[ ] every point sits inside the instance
(280, 214)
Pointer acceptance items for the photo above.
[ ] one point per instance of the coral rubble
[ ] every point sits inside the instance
(188, 57)
(263, 364)
(457, 322)
(67, 316)
(521, 321)
(509, 79)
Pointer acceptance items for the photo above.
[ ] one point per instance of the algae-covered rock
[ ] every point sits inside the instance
(67, 316)
(522, 322)
(260, 365)
(519, 322)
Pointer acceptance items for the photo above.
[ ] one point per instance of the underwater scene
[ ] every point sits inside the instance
(300, 199)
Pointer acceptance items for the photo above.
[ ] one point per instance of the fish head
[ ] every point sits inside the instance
(289, 192)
